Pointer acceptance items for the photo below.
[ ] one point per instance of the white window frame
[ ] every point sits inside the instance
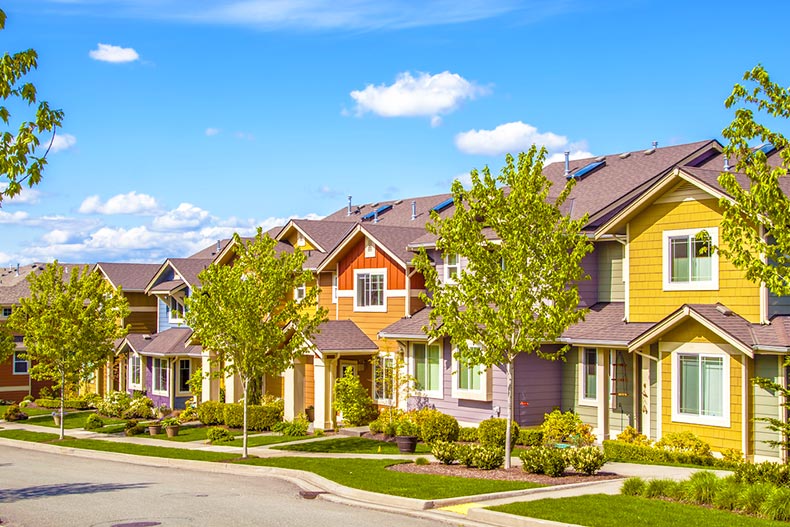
(370, 248)
(707, 285)
(380, 359)
(701, 350)
(448, 279)
(300, 292)
(334, 288)
(371, 308)
(155, 376)
(584, 400)
(171, 313)
(178, 376)
(435, 394)
(484, 393)
(6, 312)
(18, 361)
(132, 358)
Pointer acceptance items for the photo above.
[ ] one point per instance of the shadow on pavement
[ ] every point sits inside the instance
(63, 489)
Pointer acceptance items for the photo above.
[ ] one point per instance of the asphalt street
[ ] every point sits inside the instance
(39, 489)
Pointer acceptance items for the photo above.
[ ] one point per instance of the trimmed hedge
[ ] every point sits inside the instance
(77, 404)
(439, 427)
(259, 417)
(634, 453)
(492, 432)
(211, 413)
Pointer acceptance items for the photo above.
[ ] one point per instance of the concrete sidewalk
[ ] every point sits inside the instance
(469, 510)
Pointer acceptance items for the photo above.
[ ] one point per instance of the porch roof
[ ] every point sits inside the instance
(342, 336)
(409, 328)
(173, 342)
(167, 287)
(604, 325)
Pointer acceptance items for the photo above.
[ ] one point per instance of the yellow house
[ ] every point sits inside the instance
(703, 329)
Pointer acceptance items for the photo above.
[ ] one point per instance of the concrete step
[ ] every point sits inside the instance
(353, 431)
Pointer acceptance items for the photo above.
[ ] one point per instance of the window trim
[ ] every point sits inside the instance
(300, 288)
(170, 318)
(434, 394)
(18, 361)
(583, 399)
(178, 376)
(372, 308)
(380, 358)
(155, 376)
(484, 393)
(3, 313)
(701, 350)
(707, 285)
(132, 384)
(447, 278)
(334, 287)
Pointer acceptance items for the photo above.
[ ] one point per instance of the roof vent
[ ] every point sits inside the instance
(146, 337)
(398, 202)
(726, 164)
(567, 163)
(600, 158)
(219, 245)
(724, 310)
(625, 155)
(653, 149)
(413, 210)
(17, 269)
(348, 211)
(374, 215)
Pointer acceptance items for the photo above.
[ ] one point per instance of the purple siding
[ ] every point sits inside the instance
(588, 289)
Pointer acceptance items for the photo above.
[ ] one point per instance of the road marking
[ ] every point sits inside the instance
(461, 508)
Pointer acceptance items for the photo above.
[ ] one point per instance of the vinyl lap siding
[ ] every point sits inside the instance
(611, 287)
(766, 404)
(570, 390)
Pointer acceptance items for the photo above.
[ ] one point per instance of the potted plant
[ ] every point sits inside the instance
(155, 428)
(310, 413)
(57, 416)
(406, 436)
(171, 425)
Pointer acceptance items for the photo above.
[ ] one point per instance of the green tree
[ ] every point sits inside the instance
(524, 256)
(246, 315)
(18, 162)
(7, 344)
(70, 325)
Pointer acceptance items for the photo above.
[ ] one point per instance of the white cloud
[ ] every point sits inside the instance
(60, 142)
(129, 203)
(26, 196)
(12, 217)
(185, 216)
(212, 131)
(58, 236)
(509, 137)
(560, 156)
(424, 95)
(115, 54)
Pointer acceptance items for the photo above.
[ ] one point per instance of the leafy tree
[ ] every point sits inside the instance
(18, 164)
(7, 344)
(518, 290)
(246, 315)
(68, 325)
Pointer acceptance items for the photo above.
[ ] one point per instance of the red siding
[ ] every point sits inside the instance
(355, 259)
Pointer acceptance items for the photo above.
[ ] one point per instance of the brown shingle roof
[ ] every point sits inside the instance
(167, 287)
(171, 342)
(13, 287)
(211, 251)
(342, 335)
(604, 323)
(409, 327)
(129, 276)
(189, 268)
(398, 215)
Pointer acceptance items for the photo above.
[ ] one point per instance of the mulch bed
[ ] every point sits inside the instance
(512, 474)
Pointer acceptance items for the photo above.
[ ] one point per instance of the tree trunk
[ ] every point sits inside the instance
(509, 413)
(246, 383)
(62, 401)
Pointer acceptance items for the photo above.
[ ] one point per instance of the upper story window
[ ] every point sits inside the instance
(369, 286)
(690, 263)
(7, 312)
(334, 288)
(21, 366)
(176, 309)
(452, 268)
(300, 292)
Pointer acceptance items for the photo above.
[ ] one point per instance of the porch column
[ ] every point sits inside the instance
(209, 389)
(604, 401)
(322, 403)
(171, 383)
(233, 389)
(647, 416)
(123, 371)
(293, 390)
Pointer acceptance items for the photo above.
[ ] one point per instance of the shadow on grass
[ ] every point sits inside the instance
(63, 489)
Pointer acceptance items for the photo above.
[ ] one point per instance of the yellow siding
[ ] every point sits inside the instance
(325, 296)
(372, 323)
(648, 301)
(718, 437)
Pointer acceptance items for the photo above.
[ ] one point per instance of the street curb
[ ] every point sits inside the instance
(511, 520)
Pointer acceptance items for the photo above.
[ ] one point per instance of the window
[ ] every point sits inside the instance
(382, 377)
(161, 376)
(700, 388)
(135, 371)
(427, 368)
(589, 381)
(370, 248)
(334, 288)
(176, 309)
(471, 382)
(690, 263)
(469, 376)
(300, 240)
(184, 372)
(452, 267)
(7, 312)
(21, 365)
(300, 292)
(369, 284)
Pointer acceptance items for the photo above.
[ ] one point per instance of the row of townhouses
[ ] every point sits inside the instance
(672, 339)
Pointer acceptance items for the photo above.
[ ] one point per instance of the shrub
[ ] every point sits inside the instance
(407, 428)
(660, 488)
(93, 422)
(558, 427)
(732, 456)
(47, 403)
(633, 453)
(297, 427)
(701, 487)
(555, 463)
(218, 434)
(114, 404)
(532, 459)
(491, 432)
(753, 496)
(586, 459)
(467, 434)
(91, 399)
(266, 415)
(233, 415)
(29, 398)
(727, 494)
(211, 413)
(544, 459)
(133, 428)
(466, 454)
(530, 437)
(140, 408)
(376, 427)
(353, 401)
(439, 426)
(632, 436)
(489, 457)
(767, 472)
(190, 413)
(685, 443)
(444, 451)
(421, 461)
(13, 413)
(23, 403)
(633, 487)
(777, 505)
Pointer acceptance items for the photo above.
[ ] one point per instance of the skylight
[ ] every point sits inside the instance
(767, 149)
(583, 171)
(443, 205)
(378, 211)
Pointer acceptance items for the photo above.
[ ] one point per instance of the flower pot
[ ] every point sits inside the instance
(57, 418)
(406, 444)
(172, 430)
(154, 429)
(310, 413)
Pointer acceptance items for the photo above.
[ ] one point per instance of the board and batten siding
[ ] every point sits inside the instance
(571, 389)
(765, 404)
(355, 258)
(611, 287)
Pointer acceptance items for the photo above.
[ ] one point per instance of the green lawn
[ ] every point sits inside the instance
(72, 420)
(600, 510)
(263, 440)
(351, 445)
(29, 411)
(189, 433)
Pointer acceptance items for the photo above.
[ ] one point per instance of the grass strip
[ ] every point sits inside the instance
(72, 420)
(30, 411)
(601, 510)
(351, 445)
(264, 440)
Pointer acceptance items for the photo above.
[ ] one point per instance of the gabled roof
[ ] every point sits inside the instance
(400, 213)
(14, 286)
(212, 250)
(342, 336)
(131, 277)
(394, 241)
(226, 254)
(173, 342)
(604, 325)
(186, 270)
(409, 328)
(322, 234)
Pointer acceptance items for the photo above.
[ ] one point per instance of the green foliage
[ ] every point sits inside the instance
(632, 436)
(240, 311)
(77, 404)
(633, 487)
(233, 415)
(445, 452)
(386, 422)
(195, 383)
(93, 422)
(133, 428)
(634, 453)
(189, 413)
(701, 487)
(13, 413)
(528, 269)
(211, 412)
(467, 434)
(265, 416)
(727, 494)
(544, 459)
(353, 401)
(530, 437)
(219, 435)
(406, 427)
(766, 472)
(170, 422)
(296, 428)
(438, 426)
(421, 461)
(732, 455)
(684, 443)
(491, 432)
(753, 496)
(20, 159)
(661, 488)
(586, 459)
(466, 454)
(489, 457)
(7, 344)
(559, 427)
(141, 407)
(114, 404)
(777, 505)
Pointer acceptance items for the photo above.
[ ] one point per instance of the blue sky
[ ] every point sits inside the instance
(189, 120)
